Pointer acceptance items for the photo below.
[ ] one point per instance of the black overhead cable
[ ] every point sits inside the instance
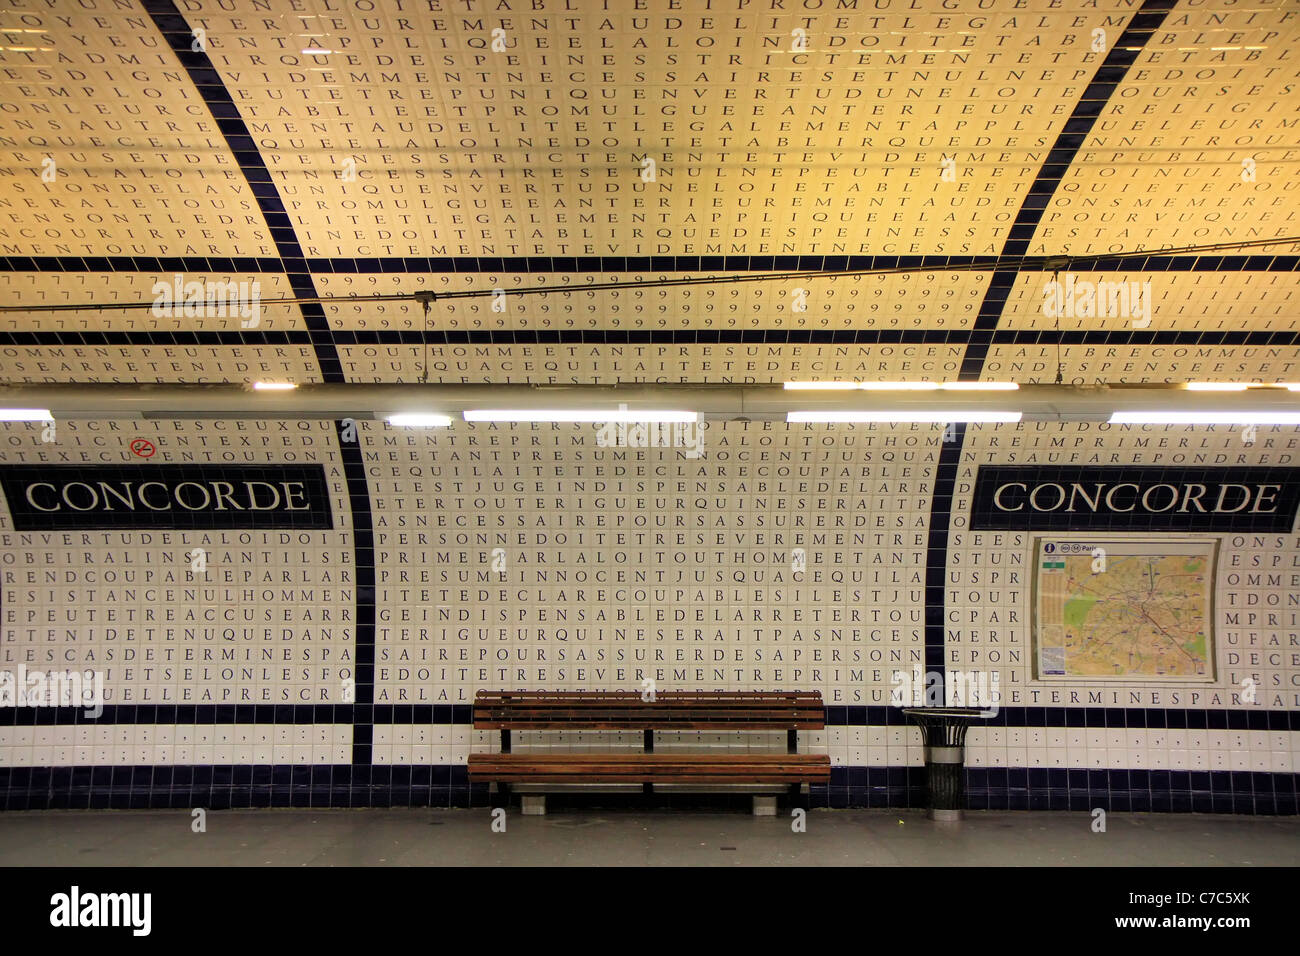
(978, 264)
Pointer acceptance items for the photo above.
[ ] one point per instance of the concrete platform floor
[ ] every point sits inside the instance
(421, 837)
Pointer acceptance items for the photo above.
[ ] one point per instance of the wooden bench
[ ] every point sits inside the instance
(540, 771)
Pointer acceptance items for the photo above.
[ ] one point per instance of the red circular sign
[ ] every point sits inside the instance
(143, 448)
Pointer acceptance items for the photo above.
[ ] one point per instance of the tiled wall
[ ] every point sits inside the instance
(336, 667)
(1165, 744)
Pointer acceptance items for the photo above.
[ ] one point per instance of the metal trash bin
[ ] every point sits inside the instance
(943, 729)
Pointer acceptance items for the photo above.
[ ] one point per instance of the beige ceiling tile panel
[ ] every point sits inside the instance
(157, 363)
(565, 364)
(173, 302)
(1133, 364)
(693, 127)
(107, 148)
(1197, 145)
(1155, 302)
(922, 300)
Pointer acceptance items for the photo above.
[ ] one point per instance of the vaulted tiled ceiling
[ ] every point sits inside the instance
(336, 148)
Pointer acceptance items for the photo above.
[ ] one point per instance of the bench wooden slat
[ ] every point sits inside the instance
(683, 725)
(624, 710)
(650, 768)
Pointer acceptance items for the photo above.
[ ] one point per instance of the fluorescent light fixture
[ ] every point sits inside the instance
(957, 415)
(822, 386)
(905, 386)
(1205, 418)
(1293, 387)
(980, 386)
(274, 386)
(419, 420)
(900, 386)
(316, 51)
(578, 415)
(25, 415)
(1216, 386)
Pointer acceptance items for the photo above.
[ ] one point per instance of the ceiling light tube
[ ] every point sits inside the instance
(904, 386)
(822, 386)
(274, 386)
(1216, 386)
(419, 420)
(1205, 418)
(957, 415)
(980, 386)
(25, 415)
(639, 416)
(900, 386)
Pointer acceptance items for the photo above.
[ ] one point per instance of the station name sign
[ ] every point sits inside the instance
(1095, 498)
(194, 497)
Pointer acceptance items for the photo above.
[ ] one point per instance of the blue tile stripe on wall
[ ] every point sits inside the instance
(363, 536)
(936, 550)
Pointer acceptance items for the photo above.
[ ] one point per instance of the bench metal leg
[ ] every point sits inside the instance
(503, 796)
(764, 806)
(533, 804)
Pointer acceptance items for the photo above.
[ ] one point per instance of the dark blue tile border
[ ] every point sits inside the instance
(221, 787)
(1151, 262)
(151, 264)
(977, 342)
(363, 536)
(936, 551)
